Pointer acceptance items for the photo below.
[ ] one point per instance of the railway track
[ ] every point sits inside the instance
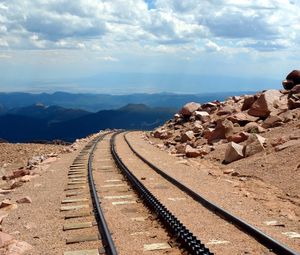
(271, 244)
(117, 205)
(108, 210)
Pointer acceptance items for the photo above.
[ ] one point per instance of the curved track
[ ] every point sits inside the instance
(86, 160)
(272, 244)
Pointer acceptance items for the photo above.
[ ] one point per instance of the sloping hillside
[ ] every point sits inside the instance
(40, 123)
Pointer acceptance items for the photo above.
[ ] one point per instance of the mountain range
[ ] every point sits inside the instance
(40, 123)
(97, 102)
(26, 117)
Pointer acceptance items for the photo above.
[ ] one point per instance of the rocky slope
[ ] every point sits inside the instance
(239, 122)
(250, 136)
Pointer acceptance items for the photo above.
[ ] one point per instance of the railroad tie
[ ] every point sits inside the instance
(78, 225)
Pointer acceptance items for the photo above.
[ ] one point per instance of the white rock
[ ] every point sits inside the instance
(233, 152)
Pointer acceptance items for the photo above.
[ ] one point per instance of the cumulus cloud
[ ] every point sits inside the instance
(258, 25)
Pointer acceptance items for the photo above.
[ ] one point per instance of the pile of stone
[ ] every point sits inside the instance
(238, 121)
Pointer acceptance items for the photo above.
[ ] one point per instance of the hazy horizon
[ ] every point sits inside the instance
(147, 46)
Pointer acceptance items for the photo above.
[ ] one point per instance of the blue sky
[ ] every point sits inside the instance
(125, 46)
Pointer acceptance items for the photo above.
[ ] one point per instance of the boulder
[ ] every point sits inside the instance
(238, 138)
(272, 121)
(191, 152)
(248, 102)
(187, 136)
(242, 118)
(287, 116)
(197, 127)
(188, 109)
(223, 130)
(254, 144)
(226, 110)
(264, 105)
(294, 90)
(233, 152)
(292, 79)
(180, 148)
(162, 134)
(202, 115)
(294, 102)
(253, 127)
(282, 103)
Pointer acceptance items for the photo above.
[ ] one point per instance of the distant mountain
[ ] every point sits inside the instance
(96, 102)
(18, 128)
(51, 114)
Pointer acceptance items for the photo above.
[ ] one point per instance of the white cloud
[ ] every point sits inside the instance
(109, 59)
(212, 46)
(258, 25)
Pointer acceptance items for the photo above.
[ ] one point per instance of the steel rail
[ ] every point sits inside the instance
(269, 242)
(188, 241)
(107, 241)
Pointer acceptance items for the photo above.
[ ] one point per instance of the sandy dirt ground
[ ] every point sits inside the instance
(249, 196)
(38, 223)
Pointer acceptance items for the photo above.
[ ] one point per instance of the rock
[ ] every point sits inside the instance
(287, 145)
(264, 105)
(248, 102)
(190, 152)
(18, 248)
(201, 114)
(157, 133)
(20, 173)
(233, 152)
(211, 106)
(294, 90)
(205, 149)
(294, 102)
(236, 98)
(5, 239)
(197, 127)
(242, 118)
(162, 134)
(166, 135)
(176, 116)
(16, 184)
(287, 116)
(180, 148)
(27, 178)
(253, 127)
(24, 200)
(223, 130)
(5, 203)
(238, 138)
(292, 79)
(7, 206)
(226, 110)
(272, 121)
(254, 144)
(187, 136)
(188, 109)
(231, 171)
